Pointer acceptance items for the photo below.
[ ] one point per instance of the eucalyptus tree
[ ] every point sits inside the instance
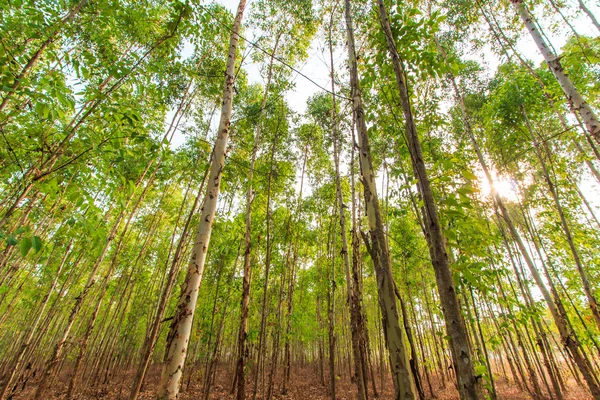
(181, 326)
(292, 32)
(107, 123)
(30, 62)
(324, 111)
(61, 119)
(121, 119)
(553, 302)
(207, 58)
(378, 248)
(503, 155)
(461, 353)
(575, 100)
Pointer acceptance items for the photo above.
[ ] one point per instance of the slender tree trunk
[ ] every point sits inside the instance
(559, 317)
(400, 369)
(245, 301)
(414, 361)
(152, 333)
(587, 161)
(56, 356)
(353, 300)
(179, 334)
(556, 309)
(439, 348)
(365, 345)
(27, 341)
(587, 11)
(268, 255)
(320, 320)
(468, 385)
(287, 367)
(593, 304)
(483, 346)
(278, 327)
(83, 345)
(214, 354)
(576, 101)
(331, 312)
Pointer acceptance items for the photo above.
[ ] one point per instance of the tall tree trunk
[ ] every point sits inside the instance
(331, 311)
(56, 356)
(179, 334)
(365, 345)
(587, 11)
(27, 341)
(576, 101)
(268, 255)
(287, 367)
(153, 330)
(400, 369)
(212, 364)
(555, 308)
(483, 346)
(353, 300)
(414, 361)
(243, 335)
(468, 385)
(593, 304)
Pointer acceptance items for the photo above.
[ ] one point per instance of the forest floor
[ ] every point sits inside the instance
(304, 385)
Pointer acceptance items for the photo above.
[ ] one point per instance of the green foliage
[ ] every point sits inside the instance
(106, 138)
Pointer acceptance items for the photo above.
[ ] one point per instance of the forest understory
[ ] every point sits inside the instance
(304, 385)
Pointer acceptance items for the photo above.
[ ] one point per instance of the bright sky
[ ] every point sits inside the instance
(316, 67)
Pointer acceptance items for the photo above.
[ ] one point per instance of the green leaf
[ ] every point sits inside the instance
(451, 234)
(36, 243)
(25, 246)
(451, 201)
(12, 241)
(466, 190)
(480, 369)
(467, 174)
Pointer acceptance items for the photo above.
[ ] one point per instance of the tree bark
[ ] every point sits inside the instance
(468, 385)
(353, 301)
(400, 369)
(575, 100)
(243, 335)
(179, 334)
(592, 302)
(587, 11)
(27, 341)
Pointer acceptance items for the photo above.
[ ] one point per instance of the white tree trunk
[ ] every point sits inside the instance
(179, 334)
(576, 102)
(587, 11)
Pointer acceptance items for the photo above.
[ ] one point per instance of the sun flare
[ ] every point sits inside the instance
(504, 185)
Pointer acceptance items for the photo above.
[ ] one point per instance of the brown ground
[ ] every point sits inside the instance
(304, 385)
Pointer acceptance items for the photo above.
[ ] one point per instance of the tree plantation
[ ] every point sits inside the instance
(295, 199)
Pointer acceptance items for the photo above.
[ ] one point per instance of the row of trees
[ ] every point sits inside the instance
(357, 238)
